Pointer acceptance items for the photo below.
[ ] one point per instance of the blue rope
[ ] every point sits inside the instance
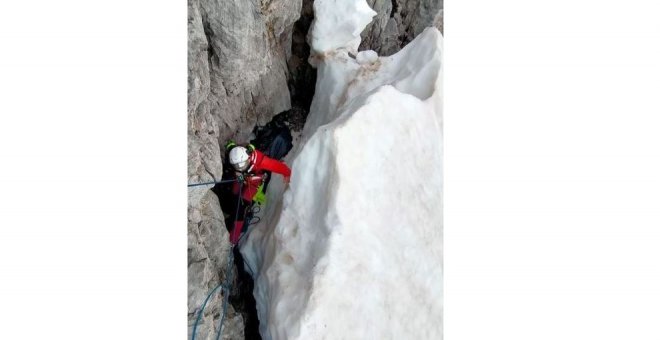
(231, 259)
(201, 311)
(228, 279)
(226, 285)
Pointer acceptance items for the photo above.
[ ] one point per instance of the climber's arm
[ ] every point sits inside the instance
(276, 166)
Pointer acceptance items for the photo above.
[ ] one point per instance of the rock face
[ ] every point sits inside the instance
(208, 247)
(237, 77)
(398, 22)
(237, 72)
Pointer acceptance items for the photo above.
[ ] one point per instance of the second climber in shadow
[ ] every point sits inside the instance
(252, 169)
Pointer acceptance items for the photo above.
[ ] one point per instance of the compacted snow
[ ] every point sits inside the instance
(338, 23)
(352, 249)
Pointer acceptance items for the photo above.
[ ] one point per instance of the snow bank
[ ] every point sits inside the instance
(337, 24)
(353, 248)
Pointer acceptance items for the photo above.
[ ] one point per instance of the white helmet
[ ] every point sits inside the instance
(239, 158)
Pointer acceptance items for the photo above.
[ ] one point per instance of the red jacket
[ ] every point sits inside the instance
(259, 164)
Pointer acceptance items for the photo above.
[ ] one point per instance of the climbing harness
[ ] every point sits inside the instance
(226, 285)
(252, 219)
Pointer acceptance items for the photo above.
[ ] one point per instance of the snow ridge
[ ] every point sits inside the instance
(353, 247)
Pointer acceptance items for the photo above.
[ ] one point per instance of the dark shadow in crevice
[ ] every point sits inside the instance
(242, 298)
(302, 76)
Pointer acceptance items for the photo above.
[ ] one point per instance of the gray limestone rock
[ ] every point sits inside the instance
(246, 49)
(208, 248)
(439, 21)
(398, 22)
(374, 36)
(237, 73)
(390, 38)
(237, 77)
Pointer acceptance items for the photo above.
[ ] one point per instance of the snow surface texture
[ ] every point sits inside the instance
(337, 24)
(353, 248)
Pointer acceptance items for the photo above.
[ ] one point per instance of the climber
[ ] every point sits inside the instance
(252, 167)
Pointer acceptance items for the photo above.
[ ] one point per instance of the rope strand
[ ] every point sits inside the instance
(213, 182)
(228, 279)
